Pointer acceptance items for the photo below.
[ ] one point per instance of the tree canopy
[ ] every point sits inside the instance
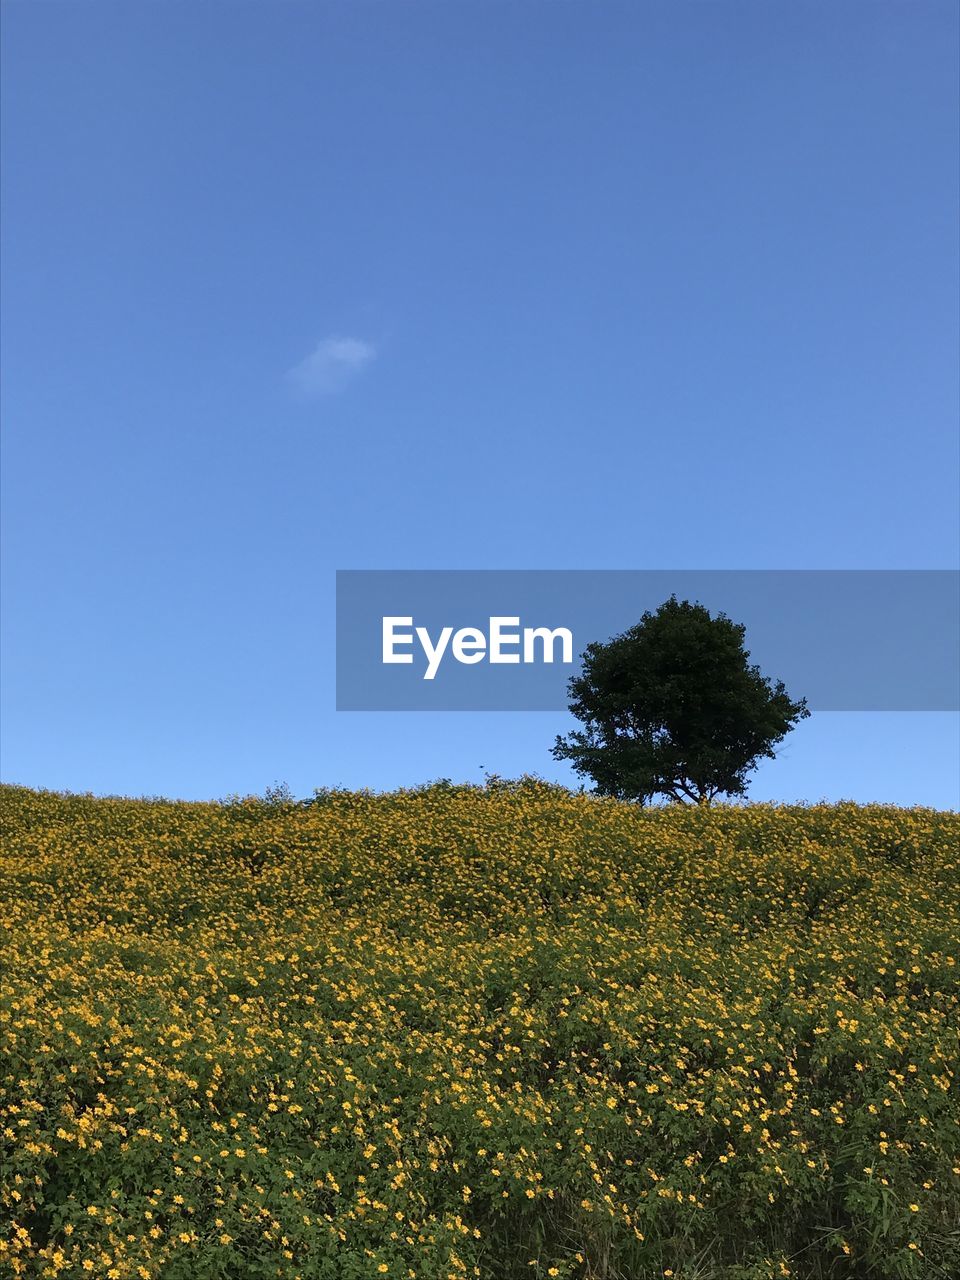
(673, 707)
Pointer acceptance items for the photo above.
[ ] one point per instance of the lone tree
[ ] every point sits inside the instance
(672, 707)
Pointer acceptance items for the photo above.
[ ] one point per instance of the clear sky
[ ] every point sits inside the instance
(296, 287)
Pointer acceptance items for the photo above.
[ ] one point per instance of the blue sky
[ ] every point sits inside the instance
(296, 287)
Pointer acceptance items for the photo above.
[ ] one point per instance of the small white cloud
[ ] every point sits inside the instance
(330, 366)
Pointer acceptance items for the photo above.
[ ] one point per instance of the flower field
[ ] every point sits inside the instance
(503, 1032)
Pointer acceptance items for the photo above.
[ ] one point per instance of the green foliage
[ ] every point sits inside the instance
(673, 707)
(499, 1033)
(279, 795)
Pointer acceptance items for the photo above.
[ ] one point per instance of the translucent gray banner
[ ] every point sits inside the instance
(509, 640)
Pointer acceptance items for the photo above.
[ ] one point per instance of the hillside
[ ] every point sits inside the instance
(504, 1033)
